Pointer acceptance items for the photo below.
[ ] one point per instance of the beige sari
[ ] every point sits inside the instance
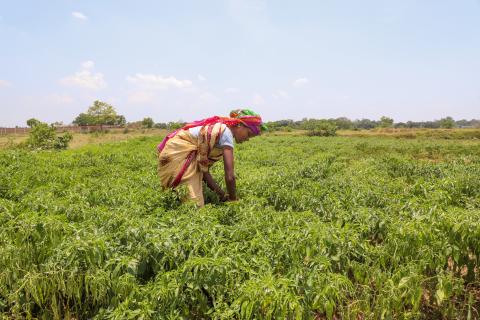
(184, 158)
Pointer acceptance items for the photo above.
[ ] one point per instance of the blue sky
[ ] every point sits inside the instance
(185, 60)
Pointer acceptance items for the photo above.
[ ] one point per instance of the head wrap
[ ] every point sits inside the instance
(250, 119)
(240, 116)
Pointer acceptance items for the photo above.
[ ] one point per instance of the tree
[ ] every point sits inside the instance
(365, 124)
(120, 121)
(57, 124)
(447, 123)
(84, 119)
(32, 122)
(175, 125)
(147, 123)
(160, 125)
(343, 123)
(386, 122)
(100, 113)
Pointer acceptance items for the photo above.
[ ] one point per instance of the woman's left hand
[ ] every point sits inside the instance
(223, 196)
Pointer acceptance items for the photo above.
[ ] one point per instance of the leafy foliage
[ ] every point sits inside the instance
(148, 123)
(100, 113)
(350, 228)
(386, 122)
(43, 136)
(32, 122)
(322, 128)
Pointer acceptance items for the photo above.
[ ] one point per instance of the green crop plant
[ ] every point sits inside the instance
(326, 228)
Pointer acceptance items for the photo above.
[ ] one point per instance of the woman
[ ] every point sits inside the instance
(185, 155)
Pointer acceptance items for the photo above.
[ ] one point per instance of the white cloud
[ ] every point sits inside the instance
(300, 82)
(151, 81)
(201, 78)
(232, 90)
(85, 78)
(79, 15)
(257, 100)
(4, 83)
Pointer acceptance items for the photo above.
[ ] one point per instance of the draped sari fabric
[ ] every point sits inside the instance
(181, 155)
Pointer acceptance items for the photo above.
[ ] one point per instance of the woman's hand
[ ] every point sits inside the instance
(222, 195)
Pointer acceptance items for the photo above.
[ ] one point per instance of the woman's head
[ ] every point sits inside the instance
(250, 124)
(242, 133)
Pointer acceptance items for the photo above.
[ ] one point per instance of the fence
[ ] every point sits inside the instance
(84, 129)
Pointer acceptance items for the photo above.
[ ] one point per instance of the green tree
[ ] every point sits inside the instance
(386, 122)
(120, 121)
(32, 122)
(84, 119)
(174, 125)
(343, 123)
(100, 113)
(364, 124)
(147, 123)
(447, 123)
(161, 125)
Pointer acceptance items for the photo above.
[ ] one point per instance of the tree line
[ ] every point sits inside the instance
(344, 123)
(102, 113)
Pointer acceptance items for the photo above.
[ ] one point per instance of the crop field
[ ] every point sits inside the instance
(326, 228)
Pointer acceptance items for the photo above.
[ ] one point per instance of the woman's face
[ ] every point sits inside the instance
(242, 133)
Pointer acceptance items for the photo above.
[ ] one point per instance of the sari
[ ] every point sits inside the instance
(183, 158)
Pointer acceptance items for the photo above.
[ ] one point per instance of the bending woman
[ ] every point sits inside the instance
(186, 154)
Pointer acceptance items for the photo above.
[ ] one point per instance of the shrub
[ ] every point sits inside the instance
(61, 142)
(323, 128)
(43, 137)
(147, 123)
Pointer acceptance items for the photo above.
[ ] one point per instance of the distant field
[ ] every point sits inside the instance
(82, 139)
(326, 228)
(415, 133)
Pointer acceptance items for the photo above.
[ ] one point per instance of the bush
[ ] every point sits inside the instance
(61, 142)
(43, 137)
(322, 128)
(147, 123)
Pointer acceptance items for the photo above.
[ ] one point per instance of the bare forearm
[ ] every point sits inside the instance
(212, 184)
(229, 173)
(231, 187)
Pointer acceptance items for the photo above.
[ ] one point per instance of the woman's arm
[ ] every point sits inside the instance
(229, 173)
(212, 184)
